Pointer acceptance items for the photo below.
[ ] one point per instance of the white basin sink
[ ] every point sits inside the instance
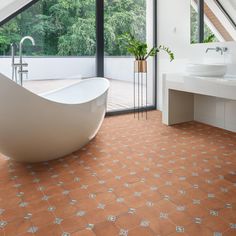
(206, 70)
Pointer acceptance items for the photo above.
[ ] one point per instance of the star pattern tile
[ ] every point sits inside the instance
(136, 178)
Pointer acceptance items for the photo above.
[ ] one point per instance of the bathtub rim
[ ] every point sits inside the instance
(39, 96)
(107, 86)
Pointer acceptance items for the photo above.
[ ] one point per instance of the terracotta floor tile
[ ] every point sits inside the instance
(97, 188)
(230, 232)
(96, 216)
(84, 232)
(2, 233)
(227, 197)
(216, 224)
(42, 218)
(135, 202)
(165, 206)
(181, 199)
(149, 213)
(229, 215)
(197, 211)
(180, 218)
(105, 197)
(34, 207)
(105, 229)
(8, 203)
(163, 227)
(213, 203)
(139, 187)
(141, 231)
(196, 194)
(88, 180)
(33, 197)
(12, 214)
(123, 191)
(51, 229)
(65, 211)
(59, 199)
(73, 224)
(128, 221)
(116, 208)
(178, 234)
(17, 227)
(79, 193)
(152, 196)
(87, 204)
(168, 190)
(166, 180)
(196, 230)
(52, 190)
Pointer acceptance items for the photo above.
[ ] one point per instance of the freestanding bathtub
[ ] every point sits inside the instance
(40, 128)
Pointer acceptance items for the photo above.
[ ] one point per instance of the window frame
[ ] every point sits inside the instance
(100, 55)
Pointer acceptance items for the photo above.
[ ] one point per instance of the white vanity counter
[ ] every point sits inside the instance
(180, 92)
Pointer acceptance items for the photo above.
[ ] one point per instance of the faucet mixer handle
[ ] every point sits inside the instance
(225, 49)
(19, 64)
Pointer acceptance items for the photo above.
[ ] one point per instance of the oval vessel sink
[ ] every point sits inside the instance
(206, 70)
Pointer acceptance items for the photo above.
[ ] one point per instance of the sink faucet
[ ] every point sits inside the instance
(218, 49)
(21, 65)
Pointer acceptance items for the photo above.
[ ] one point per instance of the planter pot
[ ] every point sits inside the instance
(140, 66)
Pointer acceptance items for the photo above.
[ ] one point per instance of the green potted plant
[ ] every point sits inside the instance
(140, 51)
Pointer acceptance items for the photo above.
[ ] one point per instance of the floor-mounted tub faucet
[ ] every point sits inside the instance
(21, 71)
(18, 68)
(222, 50)
(14, 68)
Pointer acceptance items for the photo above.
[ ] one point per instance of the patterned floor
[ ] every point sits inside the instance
(136, 178)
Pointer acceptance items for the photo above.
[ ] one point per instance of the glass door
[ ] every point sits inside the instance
(135, 17)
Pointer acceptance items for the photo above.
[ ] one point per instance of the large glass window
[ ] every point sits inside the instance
(65, 51)
(216, 22)
(59, 27)
(134, 17)
(65, 35)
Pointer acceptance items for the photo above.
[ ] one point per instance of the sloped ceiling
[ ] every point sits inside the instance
(230, 7)
(9, 7)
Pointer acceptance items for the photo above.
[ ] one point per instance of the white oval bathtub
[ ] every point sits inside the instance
(40, 128)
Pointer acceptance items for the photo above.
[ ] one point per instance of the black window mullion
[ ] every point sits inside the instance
(201, 21)
(100, 38)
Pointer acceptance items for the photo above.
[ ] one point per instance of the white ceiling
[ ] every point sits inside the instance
(4, 3)
(233, 3)
(8, 7)
(230, 7)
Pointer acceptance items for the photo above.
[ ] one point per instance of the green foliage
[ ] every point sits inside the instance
(67, 27)
(139, 49)
(210, 38)
(168, 51)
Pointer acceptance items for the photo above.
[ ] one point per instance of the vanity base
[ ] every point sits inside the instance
(210, 101)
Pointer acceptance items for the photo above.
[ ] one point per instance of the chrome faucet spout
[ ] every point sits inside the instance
(29, 38)
(222, 50)
(21, 71)
(210, 49)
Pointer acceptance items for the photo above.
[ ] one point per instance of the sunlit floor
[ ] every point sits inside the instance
(136, 178)
(120, 94)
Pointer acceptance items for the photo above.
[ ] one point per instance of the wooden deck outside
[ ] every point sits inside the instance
(120, 94)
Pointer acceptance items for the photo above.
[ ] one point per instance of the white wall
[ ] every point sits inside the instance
(120, 68)
(174, 31)
(53, 68)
